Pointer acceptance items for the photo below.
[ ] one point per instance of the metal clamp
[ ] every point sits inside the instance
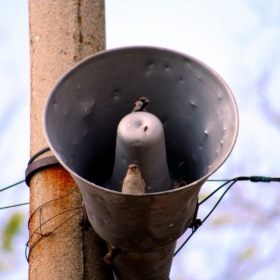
(38, 165)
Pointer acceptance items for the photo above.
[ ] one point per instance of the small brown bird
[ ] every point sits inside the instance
(140, 104)
(133, 182)
(109, 257)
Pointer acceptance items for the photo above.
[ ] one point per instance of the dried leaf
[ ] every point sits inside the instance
(223, 219)
(247, 253)
(10, 230)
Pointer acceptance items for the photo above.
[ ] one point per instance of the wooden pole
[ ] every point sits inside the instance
(61, 34)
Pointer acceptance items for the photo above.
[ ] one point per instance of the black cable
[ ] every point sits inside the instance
(27, 254)
(15, 205)
(13, 185)
(219, 200)
(216, 190)
(44, 204)
(254, 179)
(38, 154)
(179, 249)
(217, 180)
(207, 216)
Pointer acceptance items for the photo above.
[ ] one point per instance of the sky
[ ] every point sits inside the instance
(239, 39)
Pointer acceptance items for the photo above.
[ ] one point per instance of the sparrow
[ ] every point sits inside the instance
(110, 256)
(133, 182)
(179, 184)
(140, 104)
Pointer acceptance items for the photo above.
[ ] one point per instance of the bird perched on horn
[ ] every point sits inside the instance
(133, 182)
(140, 104)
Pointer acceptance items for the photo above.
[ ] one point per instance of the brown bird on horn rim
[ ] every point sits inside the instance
(140, 104)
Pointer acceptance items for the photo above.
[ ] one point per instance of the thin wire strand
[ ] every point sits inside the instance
(219, 200)
(184, 243)
(207, 216)
(41, 224)
(43, 205)
(44, 236)
(254, 179)
(216, 190)
(38, 154)
(217, 180)
(15, 205)
(11, 186)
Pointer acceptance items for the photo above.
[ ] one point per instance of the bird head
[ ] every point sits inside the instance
(140, 104)
(133, 169)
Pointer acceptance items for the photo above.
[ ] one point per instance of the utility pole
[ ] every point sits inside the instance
(61, 34)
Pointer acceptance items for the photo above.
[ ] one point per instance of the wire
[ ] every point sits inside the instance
(11, 186)
(217, 180)
(29, 162)
(233, 181)
(41, 224)
(15, 205)
(219, 200)
(44, 204)
(254, 179)
(38, 154)
(27, 254)
(216, 190)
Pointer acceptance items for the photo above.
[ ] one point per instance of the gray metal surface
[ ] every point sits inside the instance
(149, 265)
(200, 120)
